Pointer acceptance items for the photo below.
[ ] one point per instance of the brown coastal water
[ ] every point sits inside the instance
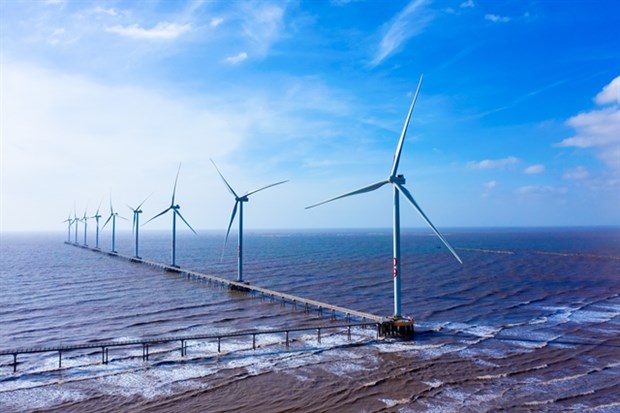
(530, 322)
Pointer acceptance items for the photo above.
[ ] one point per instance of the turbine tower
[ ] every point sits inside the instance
(239, 200)
(398, 184)
(112, 217)
(97, 216)
(76, 220)
(136, 222)
(175, 211)
(84, 220)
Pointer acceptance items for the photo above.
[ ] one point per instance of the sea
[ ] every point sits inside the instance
(530, 322)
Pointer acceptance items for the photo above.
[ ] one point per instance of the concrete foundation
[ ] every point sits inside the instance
(401, 327)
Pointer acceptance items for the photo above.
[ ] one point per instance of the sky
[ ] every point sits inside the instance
(517, 122)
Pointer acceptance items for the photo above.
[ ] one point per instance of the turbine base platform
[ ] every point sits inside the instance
(401, 327)
(241, 288)
(172, 268)
(135, 259)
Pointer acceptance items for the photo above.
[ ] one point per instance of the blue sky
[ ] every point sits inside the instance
(517, 123)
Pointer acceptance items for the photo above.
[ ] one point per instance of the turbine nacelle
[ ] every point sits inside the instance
(397, 180)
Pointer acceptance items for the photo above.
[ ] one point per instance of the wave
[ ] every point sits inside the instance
(579, 255)
(486, 251)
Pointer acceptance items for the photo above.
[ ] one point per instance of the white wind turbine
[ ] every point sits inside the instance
(136, 222)
(76, 221)
(175, 211)
(239, 200)
(97, 216)
(112, 217)
(85, 221)
(69, 222)
(398, 182)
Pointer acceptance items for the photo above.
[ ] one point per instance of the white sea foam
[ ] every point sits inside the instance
(440, 351)
(592, 316)
(613, 407)
(344, 368)
(483, 331)
(389, 403)
(40, 398)
(433, 383)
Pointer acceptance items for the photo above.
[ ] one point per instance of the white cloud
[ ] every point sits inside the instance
(67, 138)
(576, 174)
(599, 129)
(263, 26)
(496, 18)
(56, 36)
(161, 31)
(595, 128)
(216, 21)
(488, 187)
(467, 4)
(534, 169)
(493, 163)
(100, 10)
(236, 59)
(610, 93)
(411, 21)
(541, 190)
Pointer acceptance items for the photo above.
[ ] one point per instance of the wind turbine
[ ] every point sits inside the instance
(175, 211)
(84, 220)
(398, 182)
(97, 216)
(76, 220)
(112, 217)
(69, 222)
(239, 200)
(136, 221)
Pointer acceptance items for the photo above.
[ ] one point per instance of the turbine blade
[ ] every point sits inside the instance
(158, 215)
(133, 224)
(232, 218)
(399, 147)
(407, 195)
(224, 179)
(176, 211)
(358, 191)
(265, 187)
(106, 222)
(121, 217)
(174, 189)
(141, 203)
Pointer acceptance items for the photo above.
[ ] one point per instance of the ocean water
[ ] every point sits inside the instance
(529, 322)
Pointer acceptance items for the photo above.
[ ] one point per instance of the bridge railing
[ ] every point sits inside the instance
(146, 343)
